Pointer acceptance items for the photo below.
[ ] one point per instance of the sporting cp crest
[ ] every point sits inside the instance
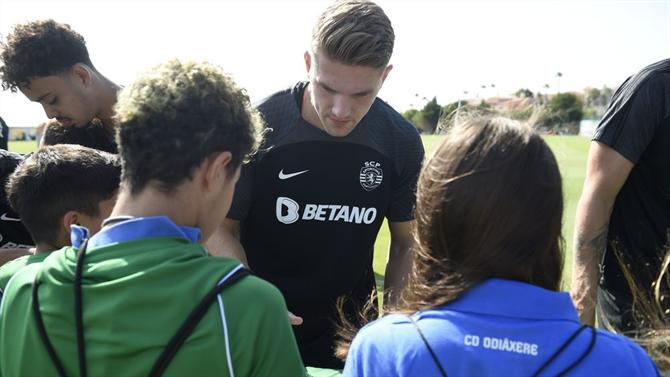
(371, 175)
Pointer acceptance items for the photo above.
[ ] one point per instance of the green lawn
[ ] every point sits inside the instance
(22, 146)
(569, 150)
(571, 154)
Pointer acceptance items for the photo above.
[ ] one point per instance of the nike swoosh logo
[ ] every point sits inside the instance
(283, 176)
(7, 218)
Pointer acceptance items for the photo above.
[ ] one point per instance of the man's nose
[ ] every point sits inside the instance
(341, 108)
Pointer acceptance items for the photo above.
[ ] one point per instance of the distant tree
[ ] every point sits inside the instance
(524, 93)
(448, 114)
(431, 114)
(483, 105)
(563, 111)
(593, 97)
(450, 109)
(597, 101)
(567, 107)
(606, 94)
(415, 117)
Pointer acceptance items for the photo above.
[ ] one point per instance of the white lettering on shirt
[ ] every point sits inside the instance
(288, 212)
(501, 344)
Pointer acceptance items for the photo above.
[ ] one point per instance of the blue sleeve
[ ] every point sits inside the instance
(368, 354)
(646, 366)
(356, 359)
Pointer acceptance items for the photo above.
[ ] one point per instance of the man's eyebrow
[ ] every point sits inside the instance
(363, 93)
(326, 86)
(42, 97)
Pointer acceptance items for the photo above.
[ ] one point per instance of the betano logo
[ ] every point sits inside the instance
(288, 212)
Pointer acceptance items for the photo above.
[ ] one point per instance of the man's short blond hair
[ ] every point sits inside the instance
(354, 32)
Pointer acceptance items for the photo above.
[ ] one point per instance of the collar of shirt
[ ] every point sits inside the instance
(134, 229)
(515, 299)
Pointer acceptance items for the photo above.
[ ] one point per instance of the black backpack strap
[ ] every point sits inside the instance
(430, 349)
(565, 345)
(41, 330)
(192, 321)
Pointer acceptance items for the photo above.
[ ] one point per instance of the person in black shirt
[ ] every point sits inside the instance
(14, 237)
(4, 138)
(624, 208)
(335, 162)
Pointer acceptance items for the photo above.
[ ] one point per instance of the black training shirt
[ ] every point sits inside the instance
(637, 125)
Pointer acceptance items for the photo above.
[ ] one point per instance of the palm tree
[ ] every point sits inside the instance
(558, 82)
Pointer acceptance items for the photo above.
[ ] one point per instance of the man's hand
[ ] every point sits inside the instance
(294, 319)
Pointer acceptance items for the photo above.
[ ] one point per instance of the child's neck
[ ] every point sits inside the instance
(45, 247)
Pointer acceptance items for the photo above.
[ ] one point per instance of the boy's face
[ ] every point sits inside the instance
(94, 223)
(65, 97)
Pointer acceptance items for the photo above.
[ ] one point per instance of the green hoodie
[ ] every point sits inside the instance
(136, 294)
(10, 268)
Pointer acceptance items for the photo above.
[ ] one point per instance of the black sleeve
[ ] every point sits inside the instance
(243, 192)
(633, 116)
(409, 157)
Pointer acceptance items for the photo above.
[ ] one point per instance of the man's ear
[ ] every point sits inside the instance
(216, 170)
(308, 61)
(81, 73)
(386, 72)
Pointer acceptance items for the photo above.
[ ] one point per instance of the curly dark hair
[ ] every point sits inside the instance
(177, 115)
(37, 49)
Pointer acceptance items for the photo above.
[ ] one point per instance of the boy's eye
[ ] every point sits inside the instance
(53, 101)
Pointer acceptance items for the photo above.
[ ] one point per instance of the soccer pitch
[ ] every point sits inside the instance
(570, 152)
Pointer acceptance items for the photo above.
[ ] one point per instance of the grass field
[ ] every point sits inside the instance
(22, 146)
(570, 152)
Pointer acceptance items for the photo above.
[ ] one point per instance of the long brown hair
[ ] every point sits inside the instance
(489, 205)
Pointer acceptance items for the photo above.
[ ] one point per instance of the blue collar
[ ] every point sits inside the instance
(516, 300)
(134, 229)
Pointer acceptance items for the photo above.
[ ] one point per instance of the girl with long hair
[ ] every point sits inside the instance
(484, 293)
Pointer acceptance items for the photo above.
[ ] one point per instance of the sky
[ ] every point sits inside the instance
(444, 48)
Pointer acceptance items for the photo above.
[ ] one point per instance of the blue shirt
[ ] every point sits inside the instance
(500, 327)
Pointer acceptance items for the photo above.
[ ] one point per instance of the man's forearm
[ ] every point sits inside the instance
(7, 255)
(396, 274)
(588, 252)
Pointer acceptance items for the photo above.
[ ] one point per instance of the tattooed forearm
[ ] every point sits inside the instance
(596, 243)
